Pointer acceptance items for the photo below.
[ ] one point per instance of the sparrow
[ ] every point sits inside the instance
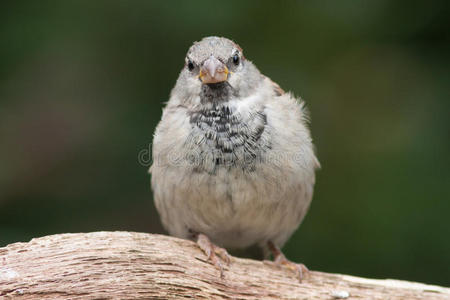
(233, 159)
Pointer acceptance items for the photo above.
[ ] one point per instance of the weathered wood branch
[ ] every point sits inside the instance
(128, 265)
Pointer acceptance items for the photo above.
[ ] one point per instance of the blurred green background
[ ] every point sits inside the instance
(82, 85)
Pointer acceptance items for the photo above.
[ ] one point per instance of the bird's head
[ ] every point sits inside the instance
(216, 68)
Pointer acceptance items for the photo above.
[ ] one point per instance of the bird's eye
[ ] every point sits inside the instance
(236, 59)
(190, 65)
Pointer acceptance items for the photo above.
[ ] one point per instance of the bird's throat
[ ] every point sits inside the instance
(216, 92)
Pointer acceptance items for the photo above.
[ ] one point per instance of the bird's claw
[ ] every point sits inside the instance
(298, 269)
(213, 252)
(282, 261)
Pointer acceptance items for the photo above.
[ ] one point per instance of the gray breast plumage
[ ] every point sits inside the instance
(223, 138)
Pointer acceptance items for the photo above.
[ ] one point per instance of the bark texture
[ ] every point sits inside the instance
(129, 265)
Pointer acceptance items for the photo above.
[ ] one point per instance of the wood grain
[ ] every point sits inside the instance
(129, 265)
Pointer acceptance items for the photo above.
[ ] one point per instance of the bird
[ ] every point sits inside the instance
(233, 162)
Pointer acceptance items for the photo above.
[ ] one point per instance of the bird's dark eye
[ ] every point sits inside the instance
(190, 65)
(236, 59)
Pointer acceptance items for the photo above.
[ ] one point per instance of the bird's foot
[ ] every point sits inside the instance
(213, 252)
(281, 260)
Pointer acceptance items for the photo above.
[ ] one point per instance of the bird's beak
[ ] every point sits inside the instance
(213, 71)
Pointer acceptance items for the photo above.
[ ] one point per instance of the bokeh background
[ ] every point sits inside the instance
(82, 85)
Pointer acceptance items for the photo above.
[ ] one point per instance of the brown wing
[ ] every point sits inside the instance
(276, 88)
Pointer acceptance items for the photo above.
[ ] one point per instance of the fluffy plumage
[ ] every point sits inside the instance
(232, 160)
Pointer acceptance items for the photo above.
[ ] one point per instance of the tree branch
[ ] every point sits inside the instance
(129, 265)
